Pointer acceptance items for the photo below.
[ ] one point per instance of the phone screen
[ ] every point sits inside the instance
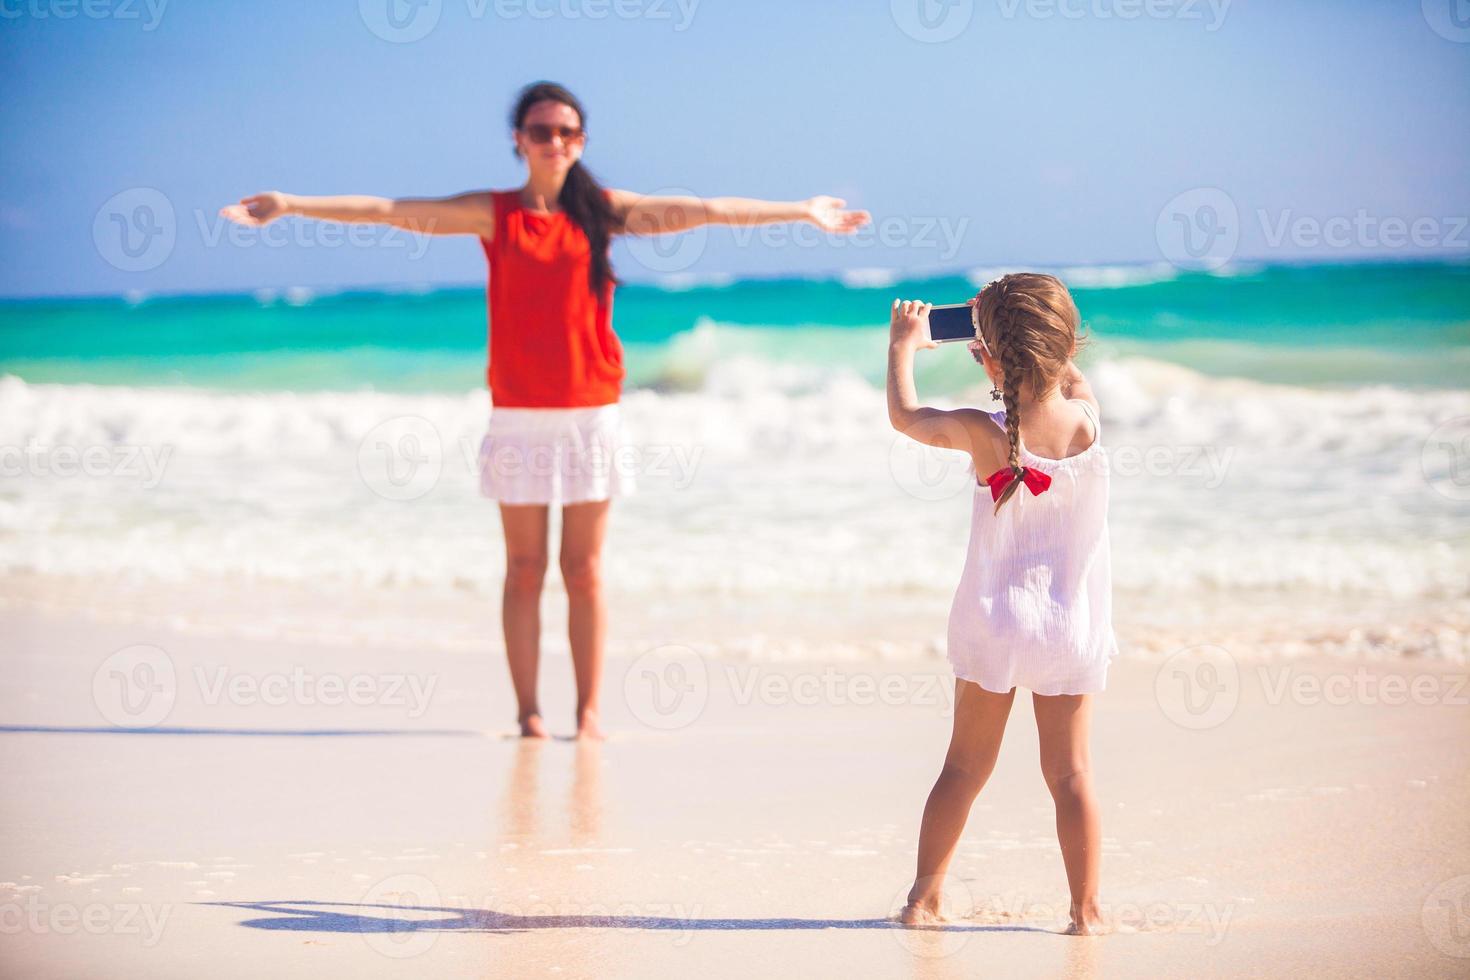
(951, 323)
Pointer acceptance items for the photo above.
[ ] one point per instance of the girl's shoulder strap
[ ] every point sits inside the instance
(1091, 414)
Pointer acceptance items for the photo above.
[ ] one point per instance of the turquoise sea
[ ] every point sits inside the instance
(1398, 324)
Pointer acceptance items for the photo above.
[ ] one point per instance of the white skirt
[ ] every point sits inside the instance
(556, 456)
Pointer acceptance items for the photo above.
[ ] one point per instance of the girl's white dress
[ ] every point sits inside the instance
(1034, 607)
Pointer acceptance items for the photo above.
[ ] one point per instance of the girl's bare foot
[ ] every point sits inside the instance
(532, 726)
(587, 727)
(1086, 921)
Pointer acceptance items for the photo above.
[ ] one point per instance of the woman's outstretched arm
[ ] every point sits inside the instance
(658, 215)
(471, 213)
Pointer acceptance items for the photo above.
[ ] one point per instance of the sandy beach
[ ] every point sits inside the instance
(306, 809)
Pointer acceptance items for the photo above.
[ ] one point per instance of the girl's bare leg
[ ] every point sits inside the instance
(520, 607)
(583, 530)
(1064, 723)
(979, 722)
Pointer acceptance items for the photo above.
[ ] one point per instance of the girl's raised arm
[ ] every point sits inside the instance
(963, 429)
(657, 215)
(471, 213)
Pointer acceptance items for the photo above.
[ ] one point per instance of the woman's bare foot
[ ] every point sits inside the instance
(532, 726)
(1086, 921)
(921, 910)
(587, 727)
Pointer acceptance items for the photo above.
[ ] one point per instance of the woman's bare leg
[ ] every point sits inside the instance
(583, 530)
(1064, 723)
(520, 607)
(979, 722)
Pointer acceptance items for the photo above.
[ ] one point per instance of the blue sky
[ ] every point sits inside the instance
(1043, 132)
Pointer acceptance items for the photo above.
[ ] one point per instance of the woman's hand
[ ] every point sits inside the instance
(257, 209)
(909, 326)
(828, 214)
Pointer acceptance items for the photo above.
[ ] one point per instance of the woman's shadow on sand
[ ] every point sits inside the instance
(308, 916)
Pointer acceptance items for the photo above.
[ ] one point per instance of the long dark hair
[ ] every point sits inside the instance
(581, 197)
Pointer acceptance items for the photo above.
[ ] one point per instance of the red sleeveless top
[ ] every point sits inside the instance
(551, 340)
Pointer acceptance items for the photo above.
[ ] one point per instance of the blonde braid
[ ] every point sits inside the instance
(1012, 371)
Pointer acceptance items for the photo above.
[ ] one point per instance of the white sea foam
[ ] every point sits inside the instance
(766, 479)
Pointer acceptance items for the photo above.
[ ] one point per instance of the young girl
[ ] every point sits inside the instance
(1034, 605)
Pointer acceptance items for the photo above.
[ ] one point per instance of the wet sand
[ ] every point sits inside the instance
(743, 818)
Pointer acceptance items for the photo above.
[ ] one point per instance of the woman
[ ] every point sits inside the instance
(556, 368)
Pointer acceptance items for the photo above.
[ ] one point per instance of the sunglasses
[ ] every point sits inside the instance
(541, 134)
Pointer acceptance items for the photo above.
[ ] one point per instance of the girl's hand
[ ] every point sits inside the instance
(827, 214)
(258, 209)
(909, 326)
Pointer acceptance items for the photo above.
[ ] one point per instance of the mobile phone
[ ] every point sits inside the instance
(950, 323)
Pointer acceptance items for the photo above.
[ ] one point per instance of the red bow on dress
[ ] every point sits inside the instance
(1035, 480)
